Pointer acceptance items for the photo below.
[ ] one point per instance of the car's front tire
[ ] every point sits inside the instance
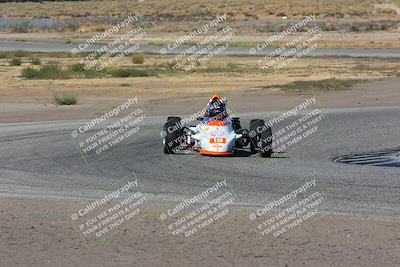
(172, 135)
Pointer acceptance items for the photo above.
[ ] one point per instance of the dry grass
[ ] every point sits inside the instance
(251, 9)
(66, 99)
(169, 19)
(222, 74)
(183, 16)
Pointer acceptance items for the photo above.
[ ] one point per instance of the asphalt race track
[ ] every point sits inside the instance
(39, 160)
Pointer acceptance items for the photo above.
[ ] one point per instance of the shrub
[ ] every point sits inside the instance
(15, 62)
(138, 59)
(19, 53)
(171, 66)
(388, 11)
(40, 15)
(24, 28)
(129, 73)
(36, 61)
(53, 72)
(65, 99)
(29, 73)
(232, 66)
(78, 67)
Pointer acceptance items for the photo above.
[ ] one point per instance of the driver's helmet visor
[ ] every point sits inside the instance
(215, 107)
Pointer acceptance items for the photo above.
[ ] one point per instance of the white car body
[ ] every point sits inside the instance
(214, 138)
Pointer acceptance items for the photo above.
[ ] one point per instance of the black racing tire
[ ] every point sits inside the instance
(265, 143)
(172, 139)
(260, 141)
(254, 124)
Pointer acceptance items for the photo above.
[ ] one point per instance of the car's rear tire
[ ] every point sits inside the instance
(173, 136)
(260, 141)
(265, 147)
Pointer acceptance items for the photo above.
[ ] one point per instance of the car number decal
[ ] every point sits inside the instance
(217, 140)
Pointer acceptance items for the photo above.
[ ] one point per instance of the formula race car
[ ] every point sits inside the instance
(217, 133)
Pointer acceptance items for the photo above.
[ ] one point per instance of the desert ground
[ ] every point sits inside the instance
(45, 90)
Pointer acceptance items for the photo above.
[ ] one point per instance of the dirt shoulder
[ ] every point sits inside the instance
(39, 233)
(379, 93)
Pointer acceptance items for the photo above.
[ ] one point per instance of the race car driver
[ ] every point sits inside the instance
(215, 110)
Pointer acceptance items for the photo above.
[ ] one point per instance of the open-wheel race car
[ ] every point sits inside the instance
(217, 133)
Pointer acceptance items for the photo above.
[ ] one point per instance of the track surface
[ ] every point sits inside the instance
(62, 47)
(39, 160)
